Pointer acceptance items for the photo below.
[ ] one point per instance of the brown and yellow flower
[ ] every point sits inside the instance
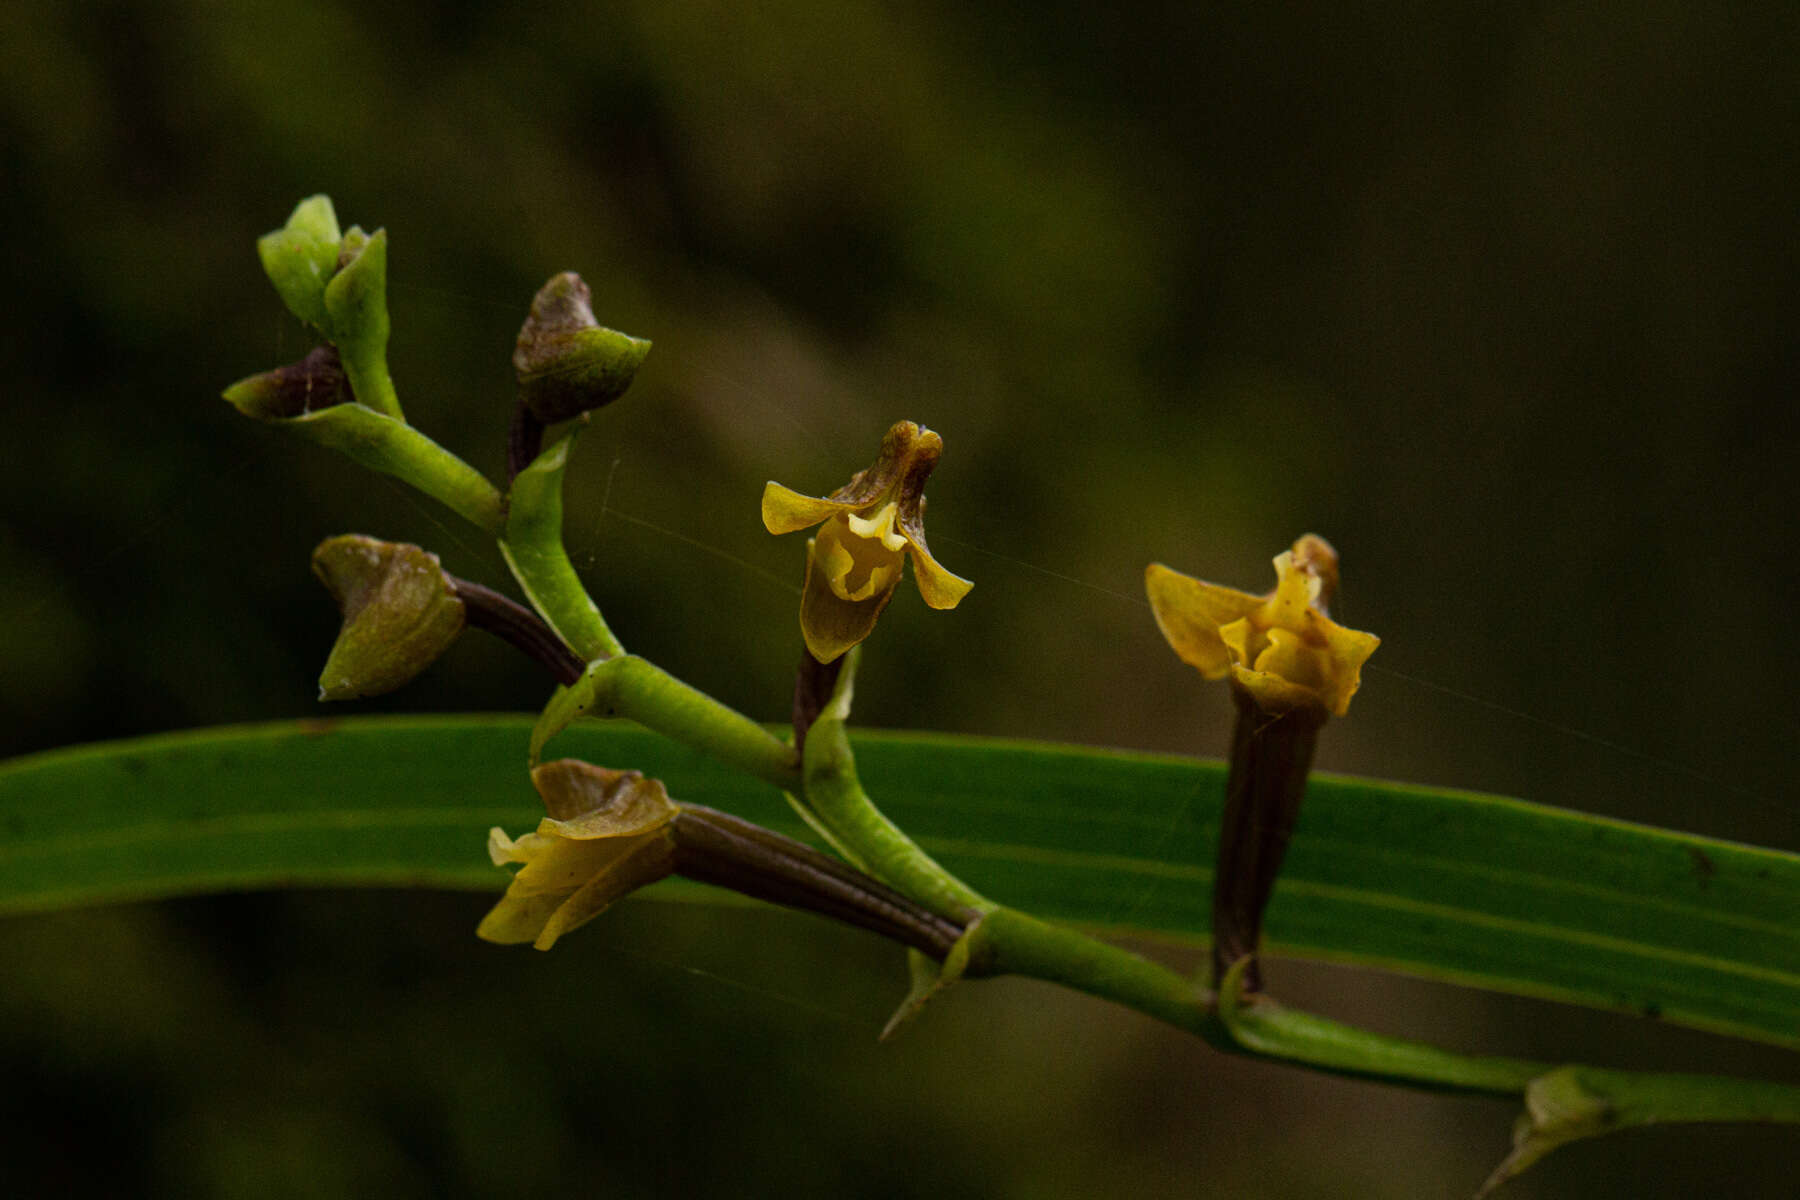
(608, 833)
(868, 529)
(1280, 647)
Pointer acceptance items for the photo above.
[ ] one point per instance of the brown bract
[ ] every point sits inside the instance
(315, 382)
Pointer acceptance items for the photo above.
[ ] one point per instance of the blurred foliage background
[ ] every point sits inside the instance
(1500, 298)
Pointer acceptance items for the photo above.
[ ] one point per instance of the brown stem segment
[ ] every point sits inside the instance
(484, 608)
(524, 440)
(814, 682)
(718, 848)
(1271, 754)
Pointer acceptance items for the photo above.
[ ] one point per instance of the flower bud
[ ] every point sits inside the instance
(315, 382)
(301, 257)
(568, 363)
(400, 613)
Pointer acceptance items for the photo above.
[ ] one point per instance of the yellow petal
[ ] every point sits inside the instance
(784, 510)
(556, 864)
(648, 860)
(554, 870)
(880, 526)
(1322, 668)
(1243, 641)
(586, 801)
(858, 566)
(1294, 659)
(1272, 693)
(567, 882)
(1295, 591)
(829, 623)
(1348, 650)
(940, 588)
(502, 849)
(1190, 614)
(518, 919)
(1314, 555)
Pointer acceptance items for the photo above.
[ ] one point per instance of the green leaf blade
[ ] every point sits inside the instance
(1472, 889)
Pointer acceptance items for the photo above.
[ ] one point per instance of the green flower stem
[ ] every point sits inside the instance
(637, 689)
(1562, 1104)
(1262, 1028)
(836, 798)
(532, 544)
(395, 448)
(1017, 944)
(369, 380)
(1644, 1098)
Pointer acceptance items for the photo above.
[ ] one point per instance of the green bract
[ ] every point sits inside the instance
(337, 283)
(356, 305)
(533, 547)
(301, 257)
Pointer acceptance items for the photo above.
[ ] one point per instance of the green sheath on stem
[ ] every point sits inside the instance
(1575, 1102)
(356, 305)
(836, 798)
(1018, 944)
(639, 690)
(1265, 1029)
(533, 546)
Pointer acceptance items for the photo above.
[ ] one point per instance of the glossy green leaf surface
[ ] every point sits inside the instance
(1473, 889)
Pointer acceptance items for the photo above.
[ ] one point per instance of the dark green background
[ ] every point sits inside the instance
(1500, 298)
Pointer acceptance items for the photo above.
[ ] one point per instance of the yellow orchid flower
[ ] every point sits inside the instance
(1280, 648)
(869, 527)
(1292, 668)
(608, 833)
(612, 832)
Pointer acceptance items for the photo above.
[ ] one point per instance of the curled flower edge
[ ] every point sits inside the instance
(1224, 632)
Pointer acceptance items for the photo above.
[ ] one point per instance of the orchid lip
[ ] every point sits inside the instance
(881, 525)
